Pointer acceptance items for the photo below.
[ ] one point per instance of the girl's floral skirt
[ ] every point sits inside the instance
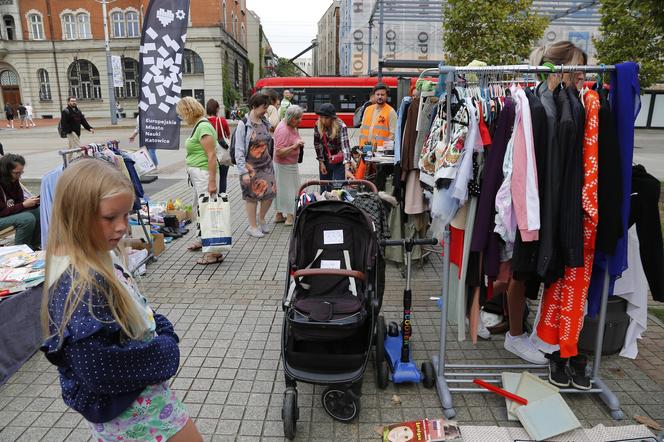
(156, 415)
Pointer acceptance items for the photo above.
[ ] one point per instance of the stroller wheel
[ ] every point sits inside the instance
(290, 413)
(341, 405)
(393, 329)
(428, 374)
(382, 375)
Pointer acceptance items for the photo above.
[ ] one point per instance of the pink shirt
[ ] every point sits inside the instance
(285, 136)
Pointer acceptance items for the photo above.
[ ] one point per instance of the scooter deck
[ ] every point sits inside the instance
(400, 372)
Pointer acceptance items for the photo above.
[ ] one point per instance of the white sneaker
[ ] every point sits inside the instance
(524, 348)
(255, 232)
(264, 228)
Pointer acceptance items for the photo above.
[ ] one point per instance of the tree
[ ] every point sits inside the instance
(496, 32)
(631, 31)
(287, 69)
(231, 94)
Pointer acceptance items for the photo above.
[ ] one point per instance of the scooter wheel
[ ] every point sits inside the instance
(340, 405)
(428, 375)
(290, 413)
(393, 329)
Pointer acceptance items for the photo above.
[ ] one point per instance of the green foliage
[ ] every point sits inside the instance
(287, 69)
(231, 95)
(631, 31)
(496, 32)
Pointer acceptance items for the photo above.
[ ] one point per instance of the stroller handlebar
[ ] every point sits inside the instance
(409, 242)
(330, 272)
(338, 183)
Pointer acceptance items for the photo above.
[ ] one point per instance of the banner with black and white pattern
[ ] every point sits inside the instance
(161, 53)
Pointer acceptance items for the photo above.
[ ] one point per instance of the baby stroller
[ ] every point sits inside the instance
(330, 305)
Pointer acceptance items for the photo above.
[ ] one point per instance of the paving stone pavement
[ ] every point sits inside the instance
(231, 378)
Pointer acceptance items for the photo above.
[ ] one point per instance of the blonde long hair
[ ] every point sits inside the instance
(73, 232)
(331, 132)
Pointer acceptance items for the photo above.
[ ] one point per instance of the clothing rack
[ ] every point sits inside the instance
(464, 374)
(87, 150)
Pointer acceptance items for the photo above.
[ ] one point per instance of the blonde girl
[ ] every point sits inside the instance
(115, 355)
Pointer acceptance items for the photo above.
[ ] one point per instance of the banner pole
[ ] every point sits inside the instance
(109, 69)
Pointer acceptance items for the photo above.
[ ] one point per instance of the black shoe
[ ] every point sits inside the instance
(577, 372)
(558, 375)
(169, 232)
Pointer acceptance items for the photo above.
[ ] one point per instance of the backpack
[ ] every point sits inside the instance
(232, 148)
(61, 131)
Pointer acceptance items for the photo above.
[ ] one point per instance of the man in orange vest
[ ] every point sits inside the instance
(380, 120)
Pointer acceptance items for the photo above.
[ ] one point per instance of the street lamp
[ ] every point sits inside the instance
(109, 65)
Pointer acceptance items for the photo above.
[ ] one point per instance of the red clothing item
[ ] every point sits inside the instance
(221, 126)
(563, 303)
(11, 199)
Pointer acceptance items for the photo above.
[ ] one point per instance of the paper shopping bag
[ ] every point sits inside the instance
(214, 217)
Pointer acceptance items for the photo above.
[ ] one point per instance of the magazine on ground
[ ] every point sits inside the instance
(423, 430)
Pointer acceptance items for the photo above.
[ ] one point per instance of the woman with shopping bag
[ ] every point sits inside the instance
(202, 165)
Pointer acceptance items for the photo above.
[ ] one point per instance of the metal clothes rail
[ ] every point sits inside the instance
(464, 373)
(90, 150)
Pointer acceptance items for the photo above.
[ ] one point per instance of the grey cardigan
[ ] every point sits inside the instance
(243, 134)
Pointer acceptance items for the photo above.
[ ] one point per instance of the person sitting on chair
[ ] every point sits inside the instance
(17, 209)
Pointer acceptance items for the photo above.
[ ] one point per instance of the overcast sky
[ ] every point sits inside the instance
(290, 25)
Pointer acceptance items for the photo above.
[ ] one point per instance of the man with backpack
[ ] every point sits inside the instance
(70, 123)
(23, 115)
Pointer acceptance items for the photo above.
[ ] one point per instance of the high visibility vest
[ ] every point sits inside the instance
(379, 132)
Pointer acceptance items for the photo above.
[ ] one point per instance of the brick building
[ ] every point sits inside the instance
(50, 49)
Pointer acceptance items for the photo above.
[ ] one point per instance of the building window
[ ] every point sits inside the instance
(44, 85)
(83, 21)
(84, 80)
(118, 24)
(130, 73)
(234, 25)
(224, 19)
(242, 35)
(133, 27)
(9, 26)
(8, 78)
(69, 27)
(192, 63)
(36, 26)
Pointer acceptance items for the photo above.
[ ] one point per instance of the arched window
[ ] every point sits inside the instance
(118, 24)
(133, 27)
(223, 16)
(36, 26)
(83, 21)
(44, 85)
(242, 35)
(8, 78)
(10, 27)
(192, 63)
(84, 80)
(130, 73)
(233, 25)
(68, 27)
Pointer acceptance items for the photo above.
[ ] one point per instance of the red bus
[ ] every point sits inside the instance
(345, 93)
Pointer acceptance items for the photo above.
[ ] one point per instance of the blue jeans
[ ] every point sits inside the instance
(153, 155)
(335, 172)
(223, 175)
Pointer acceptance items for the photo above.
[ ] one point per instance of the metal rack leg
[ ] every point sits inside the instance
(607, 396)
(444, 393)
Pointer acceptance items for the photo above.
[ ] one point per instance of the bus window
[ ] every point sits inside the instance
(320, 99)
(348, 102)
(302, 100)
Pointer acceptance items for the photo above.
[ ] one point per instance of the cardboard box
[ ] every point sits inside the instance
(181, 215)
(157, 239)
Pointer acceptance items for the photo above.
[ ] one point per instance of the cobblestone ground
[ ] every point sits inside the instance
(231, 379)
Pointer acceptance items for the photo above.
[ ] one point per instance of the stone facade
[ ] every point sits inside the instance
(326, 54)
(43, 61)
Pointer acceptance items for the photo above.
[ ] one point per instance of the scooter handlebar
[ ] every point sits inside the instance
(409, 242)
